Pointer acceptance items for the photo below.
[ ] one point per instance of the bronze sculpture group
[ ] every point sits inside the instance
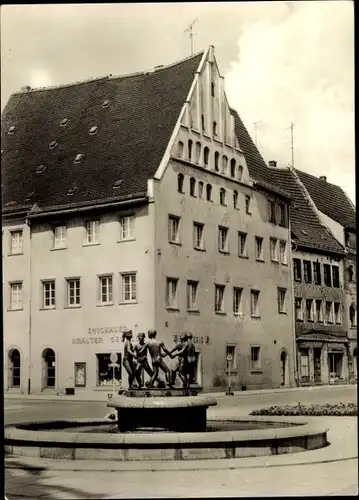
(136, 362)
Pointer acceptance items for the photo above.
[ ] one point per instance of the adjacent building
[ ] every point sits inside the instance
(131, 202)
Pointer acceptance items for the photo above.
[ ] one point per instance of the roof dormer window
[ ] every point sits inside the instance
(11, 130)
(106, 103)
(40, 169)
(72, 189)
(79, 158)
(93, 130)
(53, 144)
(117, 184)
(64, 122)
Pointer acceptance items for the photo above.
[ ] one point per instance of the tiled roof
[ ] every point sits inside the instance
(133, 133)
(305, 223)
(330, 199)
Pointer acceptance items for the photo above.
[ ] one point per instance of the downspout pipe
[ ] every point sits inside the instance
(28, 223)
(296, 375)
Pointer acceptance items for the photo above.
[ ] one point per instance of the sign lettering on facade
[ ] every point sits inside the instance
(104, 330)
(196, 340)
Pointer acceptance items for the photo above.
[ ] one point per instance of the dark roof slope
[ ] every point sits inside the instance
(330, 199)
(133, 132)
(305, 223)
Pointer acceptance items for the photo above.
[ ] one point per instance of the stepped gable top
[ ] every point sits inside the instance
(305, 223)
(330, 199)
(134, 115)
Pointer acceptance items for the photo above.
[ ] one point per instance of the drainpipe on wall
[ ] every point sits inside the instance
(28, 223)
(296, 377)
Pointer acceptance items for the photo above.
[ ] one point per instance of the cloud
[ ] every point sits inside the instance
(300, 69)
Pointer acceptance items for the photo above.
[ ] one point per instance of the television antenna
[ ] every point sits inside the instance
(292, 141)
(189, 30)
(255, 130)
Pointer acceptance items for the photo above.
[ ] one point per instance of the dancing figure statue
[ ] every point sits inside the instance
(156, 348)
(181, 350)
(129, 357)
(140, 350)
(190, 361)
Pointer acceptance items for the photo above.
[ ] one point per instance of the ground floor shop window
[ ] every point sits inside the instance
(80, 374)
(14, 368)
(105, 374)
(335, 365)
(48, 368)
(304, 364)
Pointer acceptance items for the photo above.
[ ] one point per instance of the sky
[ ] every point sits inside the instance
(283, 62)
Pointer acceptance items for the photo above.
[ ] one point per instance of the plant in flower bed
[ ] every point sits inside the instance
(337, 410)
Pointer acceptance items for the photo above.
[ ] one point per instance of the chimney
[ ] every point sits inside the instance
(323, 178)
(26, 88)
(272, 163)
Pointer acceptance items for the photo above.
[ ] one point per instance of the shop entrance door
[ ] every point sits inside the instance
(317, 365)
(335, 365)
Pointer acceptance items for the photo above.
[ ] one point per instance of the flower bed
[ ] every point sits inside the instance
(337, 410)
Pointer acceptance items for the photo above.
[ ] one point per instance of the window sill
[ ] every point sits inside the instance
(90, 244)
(284, 263)
(193, 311)
(223, 204)
(232, 370)
(169, 308)
(248, 213)
(243, 256)
(128, 302)
(224, 252)
(105, 305)
(15, 310)
(47, 308)
(126, 239)
(175, 243)
(77, 306)
(260, 260)
(221, 313)
(299, 320)
(256, 370)
(54, 249)
(297, 280)
(310, 320)
(14, 254)
(255, 317)
(275, 261)
(199, 249)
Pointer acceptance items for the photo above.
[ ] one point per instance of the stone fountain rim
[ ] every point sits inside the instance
(162, 402)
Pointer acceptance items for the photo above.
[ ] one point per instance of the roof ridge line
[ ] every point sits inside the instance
(60, 86)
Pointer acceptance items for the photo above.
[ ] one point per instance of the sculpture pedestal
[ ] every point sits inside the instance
(176, 414)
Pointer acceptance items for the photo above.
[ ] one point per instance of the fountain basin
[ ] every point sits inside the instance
(35, 440)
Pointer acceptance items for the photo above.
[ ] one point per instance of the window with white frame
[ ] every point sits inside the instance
(231, 358)
(16, 302)
(222, 196)
(192, 287)
(173, 229)
(223, 239)
(299, 309)
(248, 204)
(224, 165)
(282, 300)
(329, 312)
(48, 294)
(255, 303)
(198, 242)
(59, 236)
(16, 242)
(219, 298)
(337, 313)
(242, 249)
(319, 310)
(216, 161)
(126, 228)
(256, 358)
(92, 231)
(237, 300)
(304, 363)
(105, 290)
(309, 309)
(274, 249)
(73, 292)
(283, 252)
(172, 293)
(259, 248)
(200, 189)
(129, 287)
(235, 199)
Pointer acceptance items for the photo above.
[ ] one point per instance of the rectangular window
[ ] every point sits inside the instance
(309, 309)
(105, 373)
(198, 242)
(274, 249)
(307, 266)
(335, 273)
(92, 232)
(126, 228)
(329, 312)
(319, 311)
(80, 374)
(48, 294)
(282, 214)
(317, 273)
(259, 248)
(282, 300)
(223, 239)
(231, 360)
(248, 204)
(297, 269)
(173, 229)
(256, 361)
(283, 252)
(242, 250)
(327, 275)
(272, 217)
(299, 309)
(16, 242)
(237, 297)
(105, 290)
(16, 302)
(219, 298)
(172, 293)
(73, 292)
(255, 303)
(59, 237)
(337, 313)
(304, 364)
(129, 287)
(192, 287)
